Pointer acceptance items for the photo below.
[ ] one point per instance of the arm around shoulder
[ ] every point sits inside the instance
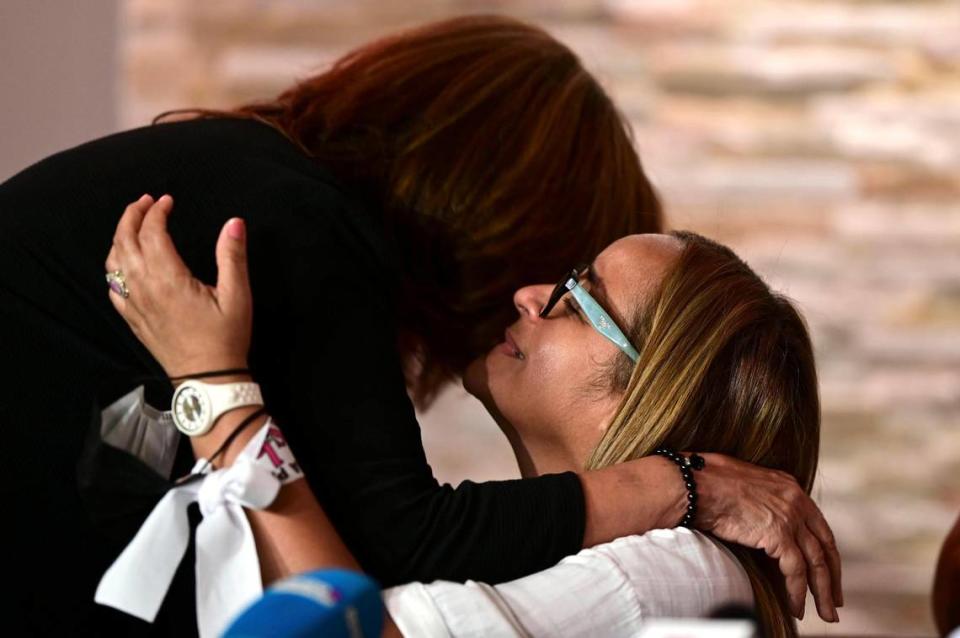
(631, 498)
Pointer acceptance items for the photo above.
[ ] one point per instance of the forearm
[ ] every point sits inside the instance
(631, 498)
(293, 534)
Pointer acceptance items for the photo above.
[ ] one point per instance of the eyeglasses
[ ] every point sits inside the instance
(597, 316)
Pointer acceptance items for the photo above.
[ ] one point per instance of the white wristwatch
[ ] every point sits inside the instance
(197, 405)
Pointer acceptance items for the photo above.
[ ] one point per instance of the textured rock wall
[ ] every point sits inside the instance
(820, 138)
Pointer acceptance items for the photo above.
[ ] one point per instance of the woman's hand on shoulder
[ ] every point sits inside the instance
(767, 509)
(182, 321)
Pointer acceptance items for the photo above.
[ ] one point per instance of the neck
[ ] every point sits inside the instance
(534, 457)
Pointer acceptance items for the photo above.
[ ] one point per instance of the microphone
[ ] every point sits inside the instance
(338, 603)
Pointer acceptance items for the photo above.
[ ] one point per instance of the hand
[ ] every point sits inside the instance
(183, 322)
(767, 509)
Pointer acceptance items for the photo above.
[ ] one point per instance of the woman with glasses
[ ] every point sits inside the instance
(394, 204)
(663, 341)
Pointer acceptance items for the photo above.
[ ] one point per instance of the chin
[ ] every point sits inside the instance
(476, 381)
(475, 378)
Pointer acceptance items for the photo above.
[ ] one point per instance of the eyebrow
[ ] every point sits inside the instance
(599, 292)
(597, 288)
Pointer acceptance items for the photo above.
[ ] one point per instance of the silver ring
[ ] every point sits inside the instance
(117, 283)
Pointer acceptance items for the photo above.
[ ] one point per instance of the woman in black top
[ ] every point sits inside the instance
(390, 217)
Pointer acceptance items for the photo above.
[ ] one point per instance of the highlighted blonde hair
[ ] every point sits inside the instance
(725, 366)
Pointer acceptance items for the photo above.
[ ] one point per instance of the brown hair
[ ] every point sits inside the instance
(497, 161)
(725, 366)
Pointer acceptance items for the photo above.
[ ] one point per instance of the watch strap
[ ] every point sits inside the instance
(227, 396)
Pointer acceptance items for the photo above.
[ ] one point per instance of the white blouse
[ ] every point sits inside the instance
(608, 590)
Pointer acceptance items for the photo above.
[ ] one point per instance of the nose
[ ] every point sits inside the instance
(530, 300)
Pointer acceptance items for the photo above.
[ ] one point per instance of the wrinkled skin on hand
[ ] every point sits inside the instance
(767, 509)
(185, 324)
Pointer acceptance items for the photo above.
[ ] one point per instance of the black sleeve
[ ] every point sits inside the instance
(324, 351)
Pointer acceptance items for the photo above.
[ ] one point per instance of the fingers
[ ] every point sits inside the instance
(794, 569)
(112, 263)
(162, 260)
(127, 236)
(819, 527)
(129, 243)
(125, 253)
(233, 283)
(818, 574)
(122, 305)
(154, 240)
(799, 537)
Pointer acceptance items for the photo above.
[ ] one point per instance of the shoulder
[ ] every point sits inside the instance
(206, 137)
(678, 571)
(198, 132)
(208, 159)
(239, 153)
(295, 206)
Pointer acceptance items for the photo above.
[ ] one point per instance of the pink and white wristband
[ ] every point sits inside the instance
(227, 567)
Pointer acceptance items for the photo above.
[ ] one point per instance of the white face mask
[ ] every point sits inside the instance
(133, 425)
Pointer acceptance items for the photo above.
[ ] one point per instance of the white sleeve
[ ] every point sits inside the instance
(609, 590)
(581, 596)
(444, 609)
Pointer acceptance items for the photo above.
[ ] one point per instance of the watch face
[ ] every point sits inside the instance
(191, 409)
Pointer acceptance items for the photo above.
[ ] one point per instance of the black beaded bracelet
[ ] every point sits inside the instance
(695, 462)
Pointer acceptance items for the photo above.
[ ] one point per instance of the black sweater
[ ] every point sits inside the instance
(323, 351)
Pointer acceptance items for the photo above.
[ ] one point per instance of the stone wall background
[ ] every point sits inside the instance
(57, 77)
(819, 138)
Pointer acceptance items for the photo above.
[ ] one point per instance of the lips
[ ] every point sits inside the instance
(512, 345)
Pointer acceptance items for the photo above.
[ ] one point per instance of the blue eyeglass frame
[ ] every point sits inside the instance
(596, 315)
